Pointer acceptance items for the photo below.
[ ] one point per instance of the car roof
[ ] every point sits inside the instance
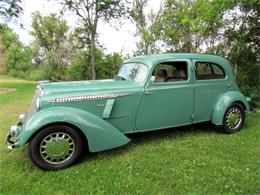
(152, 59)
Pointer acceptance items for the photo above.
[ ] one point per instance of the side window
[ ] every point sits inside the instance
(170, 72)
(208, 71)
(218, 72)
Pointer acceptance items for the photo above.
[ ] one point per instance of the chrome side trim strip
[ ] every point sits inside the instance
(85, 98)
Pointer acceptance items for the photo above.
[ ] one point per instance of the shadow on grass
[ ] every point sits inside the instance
(151, 136)
(205, 127)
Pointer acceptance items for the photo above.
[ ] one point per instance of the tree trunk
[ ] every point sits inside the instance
(146, 52)
(2, 59)
(235, 69)
(93, 36)
(93, 57)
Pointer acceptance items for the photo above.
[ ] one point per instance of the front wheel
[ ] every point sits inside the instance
(234, 118)
(55, 147)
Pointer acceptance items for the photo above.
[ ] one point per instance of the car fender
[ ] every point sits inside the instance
(223, 102)
(100, 134)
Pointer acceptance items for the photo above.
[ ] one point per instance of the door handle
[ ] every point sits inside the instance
(148, 92)
(229, 85)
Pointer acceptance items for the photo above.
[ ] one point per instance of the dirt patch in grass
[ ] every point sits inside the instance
(6, 90)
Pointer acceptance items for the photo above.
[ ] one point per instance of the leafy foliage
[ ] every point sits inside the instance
(55, 47)
(90, 13)
(17, 56)
(227, 28)
(55, 54)
(190, 26)
(145, 27)
(63, 55)
(240, 44)
(9, 9)
(107, 66)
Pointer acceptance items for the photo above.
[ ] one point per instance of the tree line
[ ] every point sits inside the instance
(227, 28)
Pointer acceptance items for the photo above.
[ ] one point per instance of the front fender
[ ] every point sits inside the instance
(224, 102)
(100, 134)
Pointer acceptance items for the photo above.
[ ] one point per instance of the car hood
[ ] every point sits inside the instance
(86, 87)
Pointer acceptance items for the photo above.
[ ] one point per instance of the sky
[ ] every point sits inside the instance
(120, 40)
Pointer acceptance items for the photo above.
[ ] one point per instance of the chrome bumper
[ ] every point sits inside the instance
(12, 135)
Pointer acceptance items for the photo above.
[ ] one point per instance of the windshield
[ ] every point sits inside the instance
(133, 71)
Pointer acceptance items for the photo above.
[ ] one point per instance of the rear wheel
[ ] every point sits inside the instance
(55, 147)
(234, 118)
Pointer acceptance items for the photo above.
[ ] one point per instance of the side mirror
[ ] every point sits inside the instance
(152, 79)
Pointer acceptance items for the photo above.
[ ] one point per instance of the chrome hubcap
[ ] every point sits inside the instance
(57, 148)
(233, 118)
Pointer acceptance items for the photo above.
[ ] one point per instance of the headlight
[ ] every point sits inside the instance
(15, 130)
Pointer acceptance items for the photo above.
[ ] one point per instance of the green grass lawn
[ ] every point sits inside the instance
(174, 161)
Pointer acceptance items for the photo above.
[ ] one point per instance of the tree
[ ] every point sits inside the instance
(8, 38)
(108, 65)
(49, 31)
(54, 43)
(90, 12)
(17, 56)
(242, 46)
(191, 25)
(9, 9)
(145, 27)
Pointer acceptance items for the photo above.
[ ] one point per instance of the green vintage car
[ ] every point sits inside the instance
(149, 93)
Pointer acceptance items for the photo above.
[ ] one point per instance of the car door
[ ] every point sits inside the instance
(167, 104)
(210, 82)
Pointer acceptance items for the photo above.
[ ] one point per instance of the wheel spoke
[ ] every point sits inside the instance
(233, 118)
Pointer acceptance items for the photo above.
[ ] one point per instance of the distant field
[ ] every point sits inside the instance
(176, 161)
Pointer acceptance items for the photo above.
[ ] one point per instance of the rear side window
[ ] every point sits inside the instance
(208, 71)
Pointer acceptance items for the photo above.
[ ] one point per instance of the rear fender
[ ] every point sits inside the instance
(224, 102)
(100, 134)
